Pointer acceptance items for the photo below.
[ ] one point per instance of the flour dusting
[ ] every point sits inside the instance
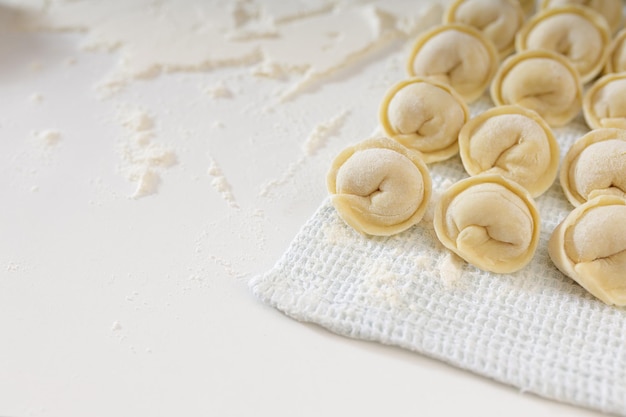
(220, 184)
(48, 137)
(143, 160)
(322, 132)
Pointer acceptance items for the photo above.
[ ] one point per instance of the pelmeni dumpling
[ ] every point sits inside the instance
(604, 104)
(424, 115)
(578, 33)
(379, 187)
(498, 20)
(589, 246)
(611, 10)
(514, 142)
(455, 54)
(528, 6)
(542, 81)
(616, 61)
(490, 222)
(595, 165)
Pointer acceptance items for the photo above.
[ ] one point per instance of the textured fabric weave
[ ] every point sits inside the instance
(534, 329)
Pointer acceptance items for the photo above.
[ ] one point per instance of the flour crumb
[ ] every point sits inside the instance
(220, 184)
(219, 90)
(217, 125)
(148, 183)
(116, 326)
(322, 132)
(49, 137)
(137, 120)
(36, 98)
(34, 188)
(450, 268)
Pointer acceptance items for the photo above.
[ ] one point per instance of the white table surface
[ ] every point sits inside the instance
(113, 306)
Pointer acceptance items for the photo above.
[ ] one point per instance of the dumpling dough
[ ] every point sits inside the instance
(604, 104)
(616, 61)
(514, 142)
(542, 81)
(528, 6)
(455, 54)
(490, 222)
(595, 165)
(611, 10)
(579, 34)
(379, 187)
(498, 20)
(589, 246)
(424, 115)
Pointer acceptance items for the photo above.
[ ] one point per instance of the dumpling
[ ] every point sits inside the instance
(498, 20)
(616, 61)
(595, 165)
(379, 187)
(490, 222)
(542, 81)
(579, 34)
(514, 142)
(424, 115)
(604, 104)
(589, 246)
(455, 54)
(528, 6)
(611, 10)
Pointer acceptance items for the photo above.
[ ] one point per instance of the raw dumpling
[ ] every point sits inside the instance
(589, 246)
(514, 142)
(542, 81)
(455, 54)
(379, 187)
(424, 115)
(604, 104)
(611, 10)
(595, 165)
(528, 6)
(490, 222)
(498, 20)
(579, 34)
(616, 62)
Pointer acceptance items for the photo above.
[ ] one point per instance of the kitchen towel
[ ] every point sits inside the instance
(534, 329)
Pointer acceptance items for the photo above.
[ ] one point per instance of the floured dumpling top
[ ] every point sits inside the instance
(498, 20)
(611, 10)
(616, 61)
(455, 54)
(379, 187)
(490, 222)
(579, 34)
(514, 142)
(589, 246)
(604, 104)
(595, 165)
(542, 81)
(424, 115)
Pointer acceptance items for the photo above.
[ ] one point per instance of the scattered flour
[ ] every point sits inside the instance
(36, 98)
(48, 137)
(322, 132)
(143, 160)
(450, 268)
(315, 141)
(279, 38)
(220, 90)
(220, 184)
(116, 326)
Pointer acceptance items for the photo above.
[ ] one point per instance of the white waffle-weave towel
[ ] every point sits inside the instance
(534, 329)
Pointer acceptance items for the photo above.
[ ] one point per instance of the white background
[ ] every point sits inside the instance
(112, 306)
